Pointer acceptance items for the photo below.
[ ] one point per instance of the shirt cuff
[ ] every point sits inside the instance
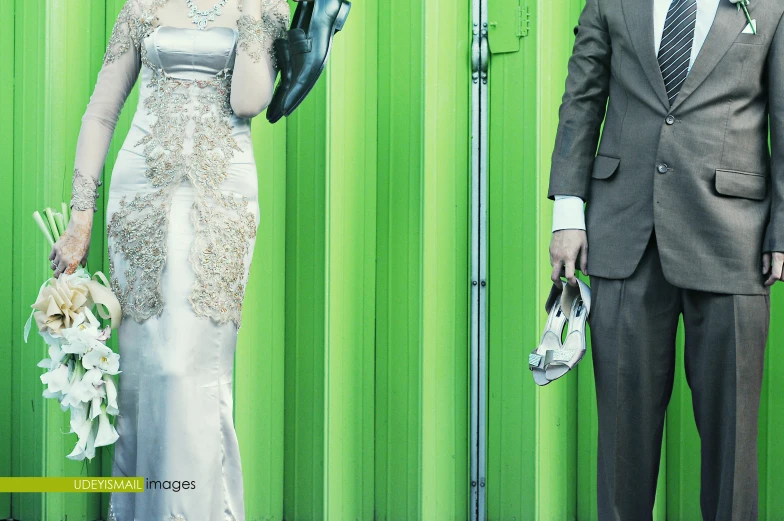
(568, 213)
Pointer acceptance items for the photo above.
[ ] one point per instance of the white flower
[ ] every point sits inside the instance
(83, 335)
(86, 388)
(57, 380)
(95, 406)
(56, 357)
(111, 394)
(77, 371)
(56, 353)
(78, 416)
(106, 431)
(105, 334)
(91, 434)
(85, 446)
(103, 358)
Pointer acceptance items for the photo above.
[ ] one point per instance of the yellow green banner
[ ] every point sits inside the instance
(73, 484)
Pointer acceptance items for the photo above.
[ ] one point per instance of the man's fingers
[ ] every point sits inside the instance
(765, 263)
(556, 275)
(568, 252)
(569, 269)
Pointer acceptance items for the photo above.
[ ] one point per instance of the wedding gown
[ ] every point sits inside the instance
(182, 214)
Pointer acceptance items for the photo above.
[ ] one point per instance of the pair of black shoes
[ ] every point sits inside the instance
(303, 55)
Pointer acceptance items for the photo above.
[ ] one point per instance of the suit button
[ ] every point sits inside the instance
(670, 119)
(662, 168)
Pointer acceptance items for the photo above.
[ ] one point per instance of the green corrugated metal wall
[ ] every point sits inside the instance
(351, 383)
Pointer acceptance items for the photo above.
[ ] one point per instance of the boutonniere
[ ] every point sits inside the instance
(744, 4)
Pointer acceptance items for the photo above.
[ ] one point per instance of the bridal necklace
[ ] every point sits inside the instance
(200, 18)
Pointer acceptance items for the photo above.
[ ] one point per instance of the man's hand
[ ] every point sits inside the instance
(772, 269)
(565, 248)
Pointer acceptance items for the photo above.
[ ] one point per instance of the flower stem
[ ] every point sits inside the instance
(43, 226)
(748, 17)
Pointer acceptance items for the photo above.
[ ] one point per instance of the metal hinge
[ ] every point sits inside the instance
(480, 54)
(523, 21)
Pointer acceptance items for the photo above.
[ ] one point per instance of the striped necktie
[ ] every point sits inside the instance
(676, 43)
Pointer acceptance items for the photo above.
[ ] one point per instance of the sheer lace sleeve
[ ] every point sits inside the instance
(262, 22)
(116, 78)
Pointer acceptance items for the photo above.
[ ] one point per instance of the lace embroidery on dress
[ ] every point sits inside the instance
(84, 191)
(133, 24)
(223, 223)
(111, 516)
(223, 230)
(256, 36)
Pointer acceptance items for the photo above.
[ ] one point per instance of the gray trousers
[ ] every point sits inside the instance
(633, 323)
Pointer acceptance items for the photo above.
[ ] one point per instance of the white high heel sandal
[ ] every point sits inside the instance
(553, 359)
(551, 338)
(576, 302)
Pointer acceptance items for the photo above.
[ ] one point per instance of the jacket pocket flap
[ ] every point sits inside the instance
(604, 167)
(741, 184)
(750, 38)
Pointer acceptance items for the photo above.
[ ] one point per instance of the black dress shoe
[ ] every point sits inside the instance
(310, 45)
(283, 57)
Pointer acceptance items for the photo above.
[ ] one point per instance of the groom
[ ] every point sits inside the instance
(684, 216)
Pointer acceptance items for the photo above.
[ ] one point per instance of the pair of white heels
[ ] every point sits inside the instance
(554, 358)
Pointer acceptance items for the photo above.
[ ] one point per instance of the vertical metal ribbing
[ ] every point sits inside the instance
(475, 330)
(484, 58)
(479, 101)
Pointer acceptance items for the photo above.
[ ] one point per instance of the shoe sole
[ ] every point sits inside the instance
(340, 22)
(277, 115)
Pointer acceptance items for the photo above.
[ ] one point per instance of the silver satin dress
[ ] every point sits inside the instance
(182, 214)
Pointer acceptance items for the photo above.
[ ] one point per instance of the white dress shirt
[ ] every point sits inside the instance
(568, 210)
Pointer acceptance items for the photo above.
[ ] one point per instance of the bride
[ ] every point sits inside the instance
(182, 214)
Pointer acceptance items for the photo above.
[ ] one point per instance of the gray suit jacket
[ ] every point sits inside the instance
(700, 172)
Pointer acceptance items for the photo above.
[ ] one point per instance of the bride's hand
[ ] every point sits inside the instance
(72, 247)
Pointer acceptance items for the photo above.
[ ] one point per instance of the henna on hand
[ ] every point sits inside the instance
(72, 247)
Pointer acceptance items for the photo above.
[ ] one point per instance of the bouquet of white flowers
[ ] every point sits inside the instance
(80, 366)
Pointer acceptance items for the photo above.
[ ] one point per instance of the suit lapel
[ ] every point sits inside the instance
(727, 25)
(639, 22)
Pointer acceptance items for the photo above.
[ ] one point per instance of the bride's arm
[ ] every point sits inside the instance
(115, 80)
(261, 22)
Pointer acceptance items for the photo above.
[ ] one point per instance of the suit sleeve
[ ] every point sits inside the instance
(583, 106)
(774, 235)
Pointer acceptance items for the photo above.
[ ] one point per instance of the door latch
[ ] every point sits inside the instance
(480, 54)
(475, 54)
